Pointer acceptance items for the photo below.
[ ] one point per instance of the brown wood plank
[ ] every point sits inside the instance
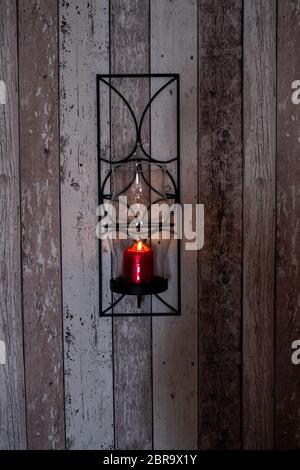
(220, 190)
(130, 38)
(12, 400)
(287, 384)
(259, 228)
(39, 153)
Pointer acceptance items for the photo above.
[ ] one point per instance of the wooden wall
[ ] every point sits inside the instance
(220, 376)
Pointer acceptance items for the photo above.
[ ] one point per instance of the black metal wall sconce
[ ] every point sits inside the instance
(139, 276)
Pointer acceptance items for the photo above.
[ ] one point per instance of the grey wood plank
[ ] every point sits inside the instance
(84, 39)
(220, 190)
(259, 225)
(39, 167)
(12, 394)
(287, 385)
(104, 143)
(175, 339)
(130, 39)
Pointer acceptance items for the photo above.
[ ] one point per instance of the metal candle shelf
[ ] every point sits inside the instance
(157, 285)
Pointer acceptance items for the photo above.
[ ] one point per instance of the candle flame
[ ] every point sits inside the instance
(139, 246)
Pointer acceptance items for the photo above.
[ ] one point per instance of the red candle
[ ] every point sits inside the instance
(138, 263)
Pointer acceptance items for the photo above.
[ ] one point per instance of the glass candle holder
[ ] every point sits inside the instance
(140, 244)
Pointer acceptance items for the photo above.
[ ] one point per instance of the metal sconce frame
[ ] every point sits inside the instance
(105, 79)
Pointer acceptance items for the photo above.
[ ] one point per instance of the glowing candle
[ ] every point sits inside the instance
(138, 263)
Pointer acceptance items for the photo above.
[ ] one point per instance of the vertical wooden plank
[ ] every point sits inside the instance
(39, 153)
(84, 36)
(132, 336)
(259, 206)
(174, 49)
(12, 402)
(287, 384)
(105, 296)
(220, 260)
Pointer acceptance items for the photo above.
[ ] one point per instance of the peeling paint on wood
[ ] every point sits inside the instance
(39, 167)
(84, 36)
(259, 222)
(130, 39)
(210, 393)
(12, 393)
(175, 340)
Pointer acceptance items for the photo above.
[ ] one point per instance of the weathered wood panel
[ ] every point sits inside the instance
(175, 378)
(287, 384)
(12, 401)
(259, 228)
(220, 190)
(84, 37)
(130, 39)
(202, 40)
(39, 167)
